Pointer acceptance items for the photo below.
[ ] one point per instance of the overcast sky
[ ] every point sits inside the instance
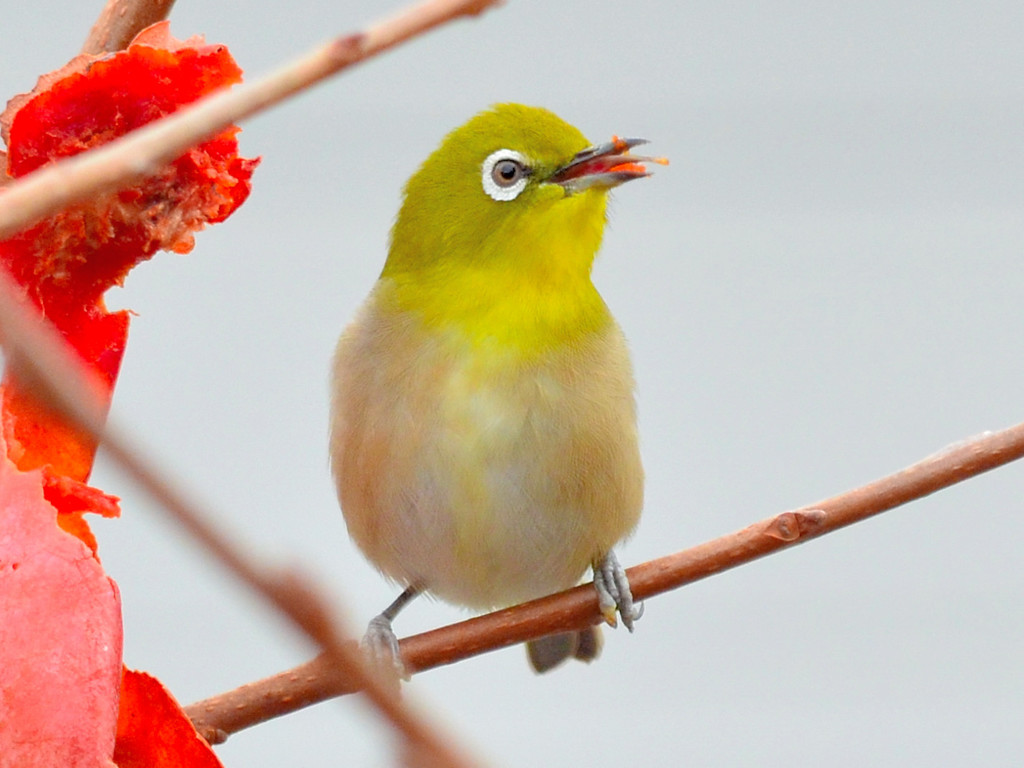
(822, 288)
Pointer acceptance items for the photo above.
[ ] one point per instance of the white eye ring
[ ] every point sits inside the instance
(504, 174)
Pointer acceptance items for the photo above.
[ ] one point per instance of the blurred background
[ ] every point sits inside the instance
(822, 288)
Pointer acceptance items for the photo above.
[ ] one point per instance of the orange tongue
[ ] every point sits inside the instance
(629, 167)
(622, 148)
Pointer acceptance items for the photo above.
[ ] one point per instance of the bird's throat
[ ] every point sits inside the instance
(524, 318)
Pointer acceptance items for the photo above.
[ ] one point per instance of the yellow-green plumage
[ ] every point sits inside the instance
(483, 434)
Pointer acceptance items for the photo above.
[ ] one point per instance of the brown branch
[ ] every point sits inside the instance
(148, 149)
(577, 608)
(120, 21)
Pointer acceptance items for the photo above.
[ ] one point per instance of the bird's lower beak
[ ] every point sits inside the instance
(604, 166)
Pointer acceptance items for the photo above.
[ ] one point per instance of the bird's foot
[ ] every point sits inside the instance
(613, 593)
(380, 643)
(381, 646)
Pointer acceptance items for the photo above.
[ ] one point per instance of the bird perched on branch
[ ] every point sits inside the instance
(483, 432)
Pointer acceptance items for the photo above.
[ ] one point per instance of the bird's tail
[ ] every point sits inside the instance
(548, 652)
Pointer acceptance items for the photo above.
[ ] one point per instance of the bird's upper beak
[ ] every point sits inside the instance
(604, 166)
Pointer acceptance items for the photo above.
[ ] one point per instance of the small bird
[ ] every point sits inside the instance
(483, 425)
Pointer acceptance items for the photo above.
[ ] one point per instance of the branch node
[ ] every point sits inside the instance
(347, 48)
(213, 736)
(790, 526)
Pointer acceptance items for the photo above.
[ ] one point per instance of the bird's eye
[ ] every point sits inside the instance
(507, 172)
(504, 174)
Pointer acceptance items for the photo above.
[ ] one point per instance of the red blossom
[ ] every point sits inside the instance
(66, 263)
(153, 730)
(60, 637)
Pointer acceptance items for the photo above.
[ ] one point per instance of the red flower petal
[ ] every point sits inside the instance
(153, 731)
(80, 253)
(60, 637)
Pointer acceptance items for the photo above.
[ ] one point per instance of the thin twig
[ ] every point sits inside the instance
(577, 608)
(120, 21)
(148, 149)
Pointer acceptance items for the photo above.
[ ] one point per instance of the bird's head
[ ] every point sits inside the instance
(499, 228)
(515, 188)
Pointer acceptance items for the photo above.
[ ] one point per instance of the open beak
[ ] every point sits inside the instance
(604, 166)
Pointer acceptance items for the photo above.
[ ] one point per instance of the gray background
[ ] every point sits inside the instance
(822, 288)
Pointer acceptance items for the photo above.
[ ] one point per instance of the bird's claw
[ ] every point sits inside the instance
(613, 593)
(381, 646)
